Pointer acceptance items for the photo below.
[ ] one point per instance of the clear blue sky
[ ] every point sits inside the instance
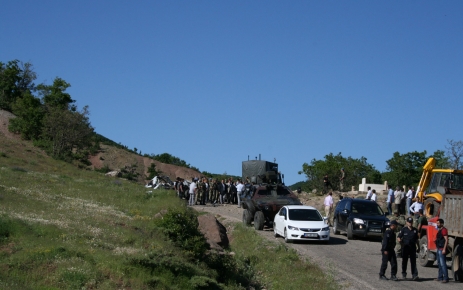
(212, 82)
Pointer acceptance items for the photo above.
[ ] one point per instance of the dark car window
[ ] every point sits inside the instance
(304, 215)
(367, 208)
(283, 211)
(341, 204)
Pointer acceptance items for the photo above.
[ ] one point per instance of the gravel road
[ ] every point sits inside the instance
(354, 264)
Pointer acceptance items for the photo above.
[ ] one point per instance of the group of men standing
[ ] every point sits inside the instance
(409, 238)
(202, 190)
(403, 201)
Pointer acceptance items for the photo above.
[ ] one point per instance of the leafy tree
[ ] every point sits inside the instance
(355, 169)
(152, 171)
(16, 79)
(30, 114)
(455, 153)
(405, 169)
(55, 95)
(67, 131)
(442, 160)
(170, 159)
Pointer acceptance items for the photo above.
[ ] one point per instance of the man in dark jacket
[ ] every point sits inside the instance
(388, 253)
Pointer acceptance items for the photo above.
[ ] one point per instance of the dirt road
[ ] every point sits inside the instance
(354, 264)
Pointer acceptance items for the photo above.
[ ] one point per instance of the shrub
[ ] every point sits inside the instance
(181, 226)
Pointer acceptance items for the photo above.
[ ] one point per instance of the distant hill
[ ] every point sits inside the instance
(110, 157)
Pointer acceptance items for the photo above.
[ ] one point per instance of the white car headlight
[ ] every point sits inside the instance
(327, 229)
(359, 221)
(293, 228)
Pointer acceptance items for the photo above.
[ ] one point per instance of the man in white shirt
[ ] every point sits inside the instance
(192, 192)
(328, 203)
(409, 197)
(415, 208)
(390, 199)
(398, 196)
(373, 195)
(369, 193)
(239, 189)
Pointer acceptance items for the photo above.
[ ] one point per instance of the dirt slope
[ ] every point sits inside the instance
(114, 158)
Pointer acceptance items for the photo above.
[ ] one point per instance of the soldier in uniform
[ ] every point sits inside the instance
(409, 237)
(388, 253)
(400, 219)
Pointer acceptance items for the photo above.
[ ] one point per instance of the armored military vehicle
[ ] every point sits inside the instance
(265, 193)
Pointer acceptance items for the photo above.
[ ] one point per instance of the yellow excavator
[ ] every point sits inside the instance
(435, 183)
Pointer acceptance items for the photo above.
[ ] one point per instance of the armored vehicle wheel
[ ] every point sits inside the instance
(259, 220)
(423, 255)
(250, 206)
(247, 218)
(457, 263)
(335, 227)
(350, 234)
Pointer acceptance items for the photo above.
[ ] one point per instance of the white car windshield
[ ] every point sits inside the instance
(304, 215)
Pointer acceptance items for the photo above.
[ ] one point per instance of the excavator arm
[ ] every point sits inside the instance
(425, 178)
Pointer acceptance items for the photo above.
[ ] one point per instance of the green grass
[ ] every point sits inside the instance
(66, 228)
(275, 265)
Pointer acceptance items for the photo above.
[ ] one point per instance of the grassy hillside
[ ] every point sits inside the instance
(66, 228)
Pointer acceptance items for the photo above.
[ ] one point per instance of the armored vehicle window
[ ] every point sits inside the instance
(274, 192)
(304, 215)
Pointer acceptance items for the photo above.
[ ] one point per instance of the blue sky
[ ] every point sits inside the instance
(212, 82)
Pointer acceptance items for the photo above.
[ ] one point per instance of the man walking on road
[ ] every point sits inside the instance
(387, 252)
(442, 240)
(408, 236)
(328, 203)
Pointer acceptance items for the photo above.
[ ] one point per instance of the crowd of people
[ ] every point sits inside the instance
(203, 190)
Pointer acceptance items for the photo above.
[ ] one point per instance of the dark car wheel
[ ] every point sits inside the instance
(350, 234)
(247, 218)
(259, 220)
(335, 227)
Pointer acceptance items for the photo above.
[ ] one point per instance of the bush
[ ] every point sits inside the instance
(181, 226)
(7, 227)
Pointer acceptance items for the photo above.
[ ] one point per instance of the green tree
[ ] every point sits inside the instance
(55, 95)
(16, 79)
(355, 169)
(170, 159)
(442, 160)
(67, 131)
(405, 169)
(29, 116)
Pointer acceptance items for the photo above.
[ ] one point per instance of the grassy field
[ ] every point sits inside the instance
(66, 228)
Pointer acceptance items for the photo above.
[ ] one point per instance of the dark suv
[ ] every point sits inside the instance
(359, 217)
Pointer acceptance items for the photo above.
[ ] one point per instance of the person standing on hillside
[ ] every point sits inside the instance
(373, 195)
(342, 179)
(192, 193)
(239, 191)
(328, 203)
(369, 193)
(326, 184)
(398, 199)
(408, 200)
(390, 199)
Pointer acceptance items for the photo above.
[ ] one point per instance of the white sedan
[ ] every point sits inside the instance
(301, 222)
